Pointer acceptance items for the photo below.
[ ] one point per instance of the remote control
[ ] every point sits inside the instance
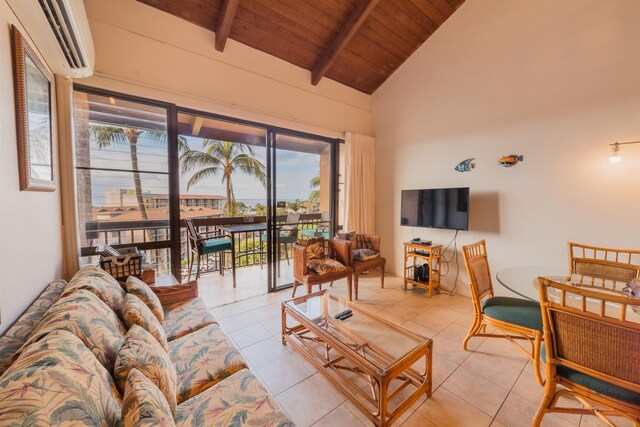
(345, 317)
(342, 313)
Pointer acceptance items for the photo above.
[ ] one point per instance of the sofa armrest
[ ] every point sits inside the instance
(176, 293)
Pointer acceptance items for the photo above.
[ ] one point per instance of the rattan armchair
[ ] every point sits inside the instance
(591, 350)
(514, 318)
(366, 241)
(333, 249)
(614, 267)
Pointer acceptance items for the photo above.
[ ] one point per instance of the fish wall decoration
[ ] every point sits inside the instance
(465, 165)
(510, 160)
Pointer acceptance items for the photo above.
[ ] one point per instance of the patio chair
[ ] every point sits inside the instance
(322, 229)
(514, 318)
(365, 256)
(200, 244)
(616, 267)
(288, 235)
(318, 261)
(591, 349)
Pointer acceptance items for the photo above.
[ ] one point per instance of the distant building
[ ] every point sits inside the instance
(124, 198)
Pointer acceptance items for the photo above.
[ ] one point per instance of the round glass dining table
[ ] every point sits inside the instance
(523, 281)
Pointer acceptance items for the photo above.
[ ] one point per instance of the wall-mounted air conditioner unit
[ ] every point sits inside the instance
(60, 31)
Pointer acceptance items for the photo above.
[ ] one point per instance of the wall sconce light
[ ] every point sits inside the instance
(616, 151)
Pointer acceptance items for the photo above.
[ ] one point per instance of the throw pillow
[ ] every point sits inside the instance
(350, 235)
(141, 351)
(325, 265)
(364, 254)
(143, 291)
(143, 404)
(315, 251)
(100, 283)
(137, 313)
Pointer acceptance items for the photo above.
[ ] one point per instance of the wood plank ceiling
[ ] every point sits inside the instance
(359, 43)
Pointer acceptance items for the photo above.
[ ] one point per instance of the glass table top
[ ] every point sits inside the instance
(361, 332)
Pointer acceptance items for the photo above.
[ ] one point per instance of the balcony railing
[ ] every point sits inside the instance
(154, 237)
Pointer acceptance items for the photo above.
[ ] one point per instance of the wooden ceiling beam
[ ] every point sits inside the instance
(349, 29)
(224, 23)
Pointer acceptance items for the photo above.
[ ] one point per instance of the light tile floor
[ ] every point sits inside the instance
(490, 385)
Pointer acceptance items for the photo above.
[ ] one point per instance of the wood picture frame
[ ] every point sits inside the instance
(35, 117)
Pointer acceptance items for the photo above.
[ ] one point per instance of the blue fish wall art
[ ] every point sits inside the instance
(465, 165)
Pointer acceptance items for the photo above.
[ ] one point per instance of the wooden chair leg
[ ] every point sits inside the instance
(381, 277)
(545, 405)
(295, 285)
(198, 267)
(221, 259)
(537, 344)
(309, 288)
(355, 285)
(473, 330)
(349, 286)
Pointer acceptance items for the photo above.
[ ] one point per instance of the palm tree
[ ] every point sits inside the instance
(314, 196)
(260, 209)
(222, 158)
(295, 206)
(108, 135)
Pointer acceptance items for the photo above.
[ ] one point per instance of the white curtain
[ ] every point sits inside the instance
(360, 161)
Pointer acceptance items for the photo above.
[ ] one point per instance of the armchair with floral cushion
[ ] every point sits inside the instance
(365, 255)
(318, 261)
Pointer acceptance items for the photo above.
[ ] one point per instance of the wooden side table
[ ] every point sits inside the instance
(431, 255)
(169, 290)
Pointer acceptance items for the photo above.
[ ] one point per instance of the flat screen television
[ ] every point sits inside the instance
(446, 208)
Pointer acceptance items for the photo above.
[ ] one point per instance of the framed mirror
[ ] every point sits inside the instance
(35, 117)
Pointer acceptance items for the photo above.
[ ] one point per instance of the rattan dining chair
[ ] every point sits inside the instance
(514, 318)
(614, 267)
(591, 349)
(208, 243)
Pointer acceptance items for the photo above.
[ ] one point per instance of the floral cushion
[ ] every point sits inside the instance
(237, 401)
(20, 331)
(87, 317)
(325, 266)
(57, 381)
(349, 235)
(143, 403)
(202, 359)
(315, 250)
(143, 291)
(143, 352)
(182, 318)
(364, 254)
(101, 283)
(137, 313)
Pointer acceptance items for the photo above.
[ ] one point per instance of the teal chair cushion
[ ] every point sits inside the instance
(595, 384)
(308, 232)
(518, 311)
(216, 245)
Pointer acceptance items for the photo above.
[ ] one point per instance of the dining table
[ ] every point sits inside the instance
(523, 281)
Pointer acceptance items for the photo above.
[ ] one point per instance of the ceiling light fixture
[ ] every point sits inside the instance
(616, 151)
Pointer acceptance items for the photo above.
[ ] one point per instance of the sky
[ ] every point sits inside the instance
(294, 172)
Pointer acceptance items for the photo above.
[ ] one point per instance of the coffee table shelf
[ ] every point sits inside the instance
(381, 367)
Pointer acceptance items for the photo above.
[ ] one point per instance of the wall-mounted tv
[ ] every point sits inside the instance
(446, 208)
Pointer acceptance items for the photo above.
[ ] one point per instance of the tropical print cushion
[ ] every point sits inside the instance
(240, 400)
(143, 403)
(143, 352)
(143, 291)
(349, 235)
(20, 331)
(98, 281)
(87, 317)
(325, 266)
(185, 317)
(57, 381)
(364, 254)
(315, 250)
(202, 359)
(137, 313)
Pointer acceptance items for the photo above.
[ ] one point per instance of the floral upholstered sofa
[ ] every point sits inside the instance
(97, 352)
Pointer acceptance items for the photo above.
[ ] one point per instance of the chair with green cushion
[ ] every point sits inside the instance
(591, 349)
(514, 318)
(201, 244)
(288, 234)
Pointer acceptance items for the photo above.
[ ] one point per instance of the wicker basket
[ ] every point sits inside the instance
(125, 265)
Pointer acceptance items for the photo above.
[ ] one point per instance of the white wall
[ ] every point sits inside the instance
(150, 53)
(30, 242)
(555, 81)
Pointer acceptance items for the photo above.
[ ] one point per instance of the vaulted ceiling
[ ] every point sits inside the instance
(359, 43)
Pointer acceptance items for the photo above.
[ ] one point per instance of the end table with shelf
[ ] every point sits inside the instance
(431, 255)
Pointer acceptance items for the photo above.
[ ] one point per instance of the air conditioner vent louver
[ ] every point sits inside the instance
(58, 18)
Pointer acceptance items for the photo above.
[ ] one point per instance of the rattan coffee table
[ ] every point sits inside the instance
(381, 367)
